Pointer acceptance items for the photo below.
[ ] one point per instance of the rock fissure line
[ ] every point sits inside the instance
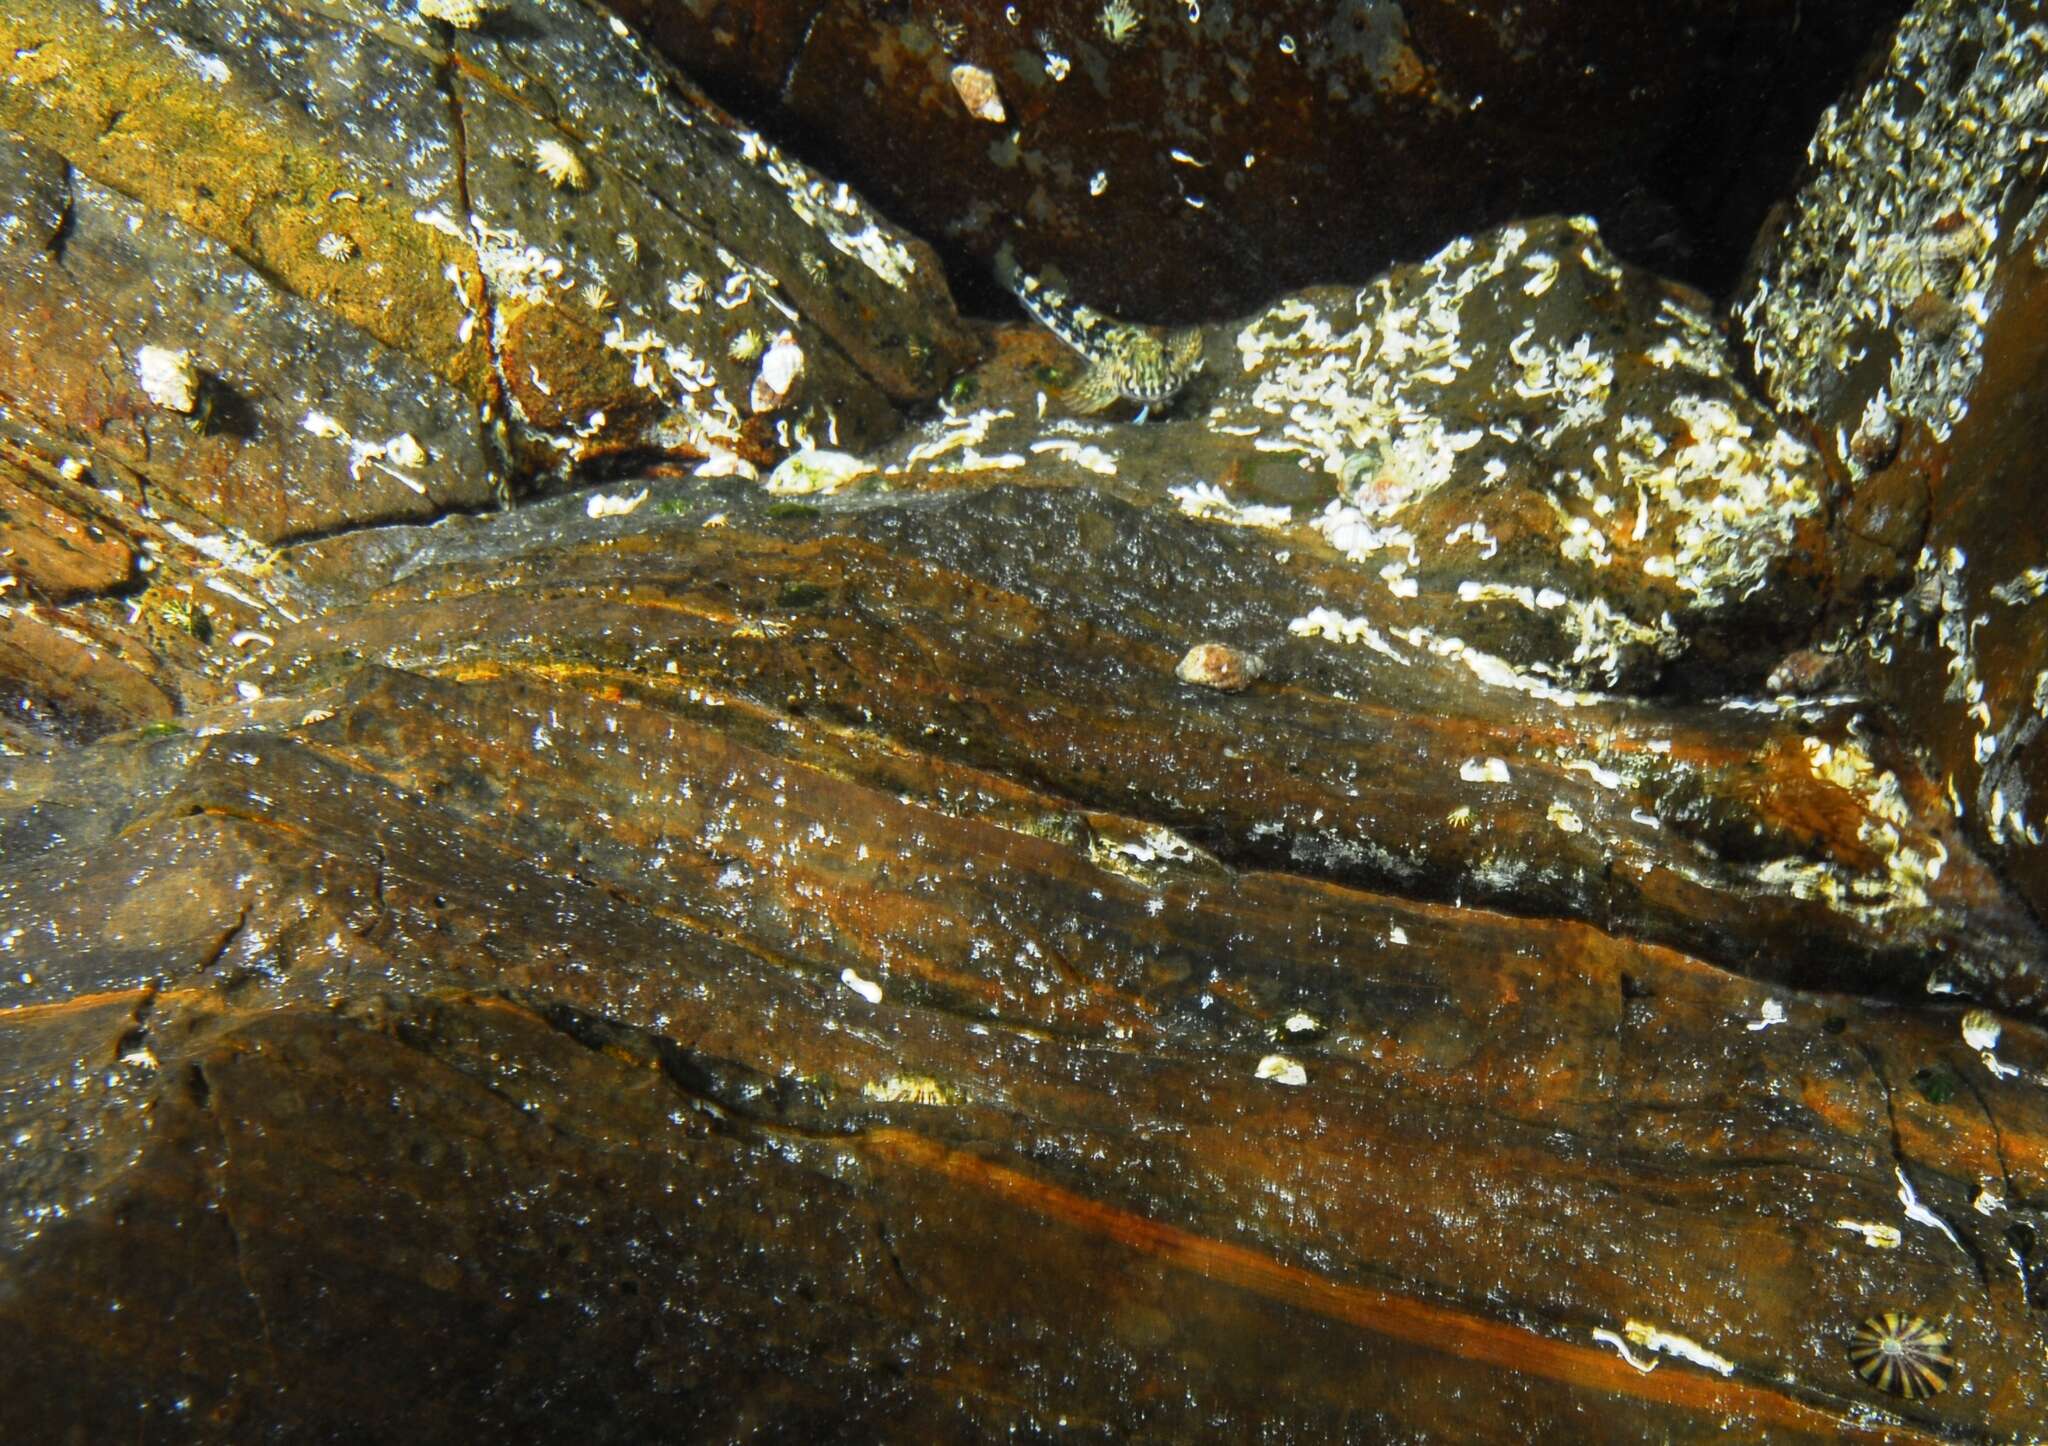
(1901, 1162)
(1434, 1327)
(208, 1100)
(448, 75)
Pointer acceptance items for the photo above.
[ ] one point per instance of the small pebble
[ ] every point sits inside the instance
(1220, 666)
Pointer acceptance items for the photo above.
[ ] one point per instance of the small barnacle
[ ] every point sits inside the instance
(1902, 1354)
(1981, 1029)
(1120, 21)
(1931, 316)
(1876, 439)
(629, 246)
(781, 365)
(597, 297)
(462, 14)
(903, 1089)
(815, 470)
(404, 450)
(560, 165)
(187, 616)
(745, 345)
(337, 247)
(1359, 466)
(1219, 666)
(1057, 65)
(1372, 481)
(977, 91)
(815, 267)
(1281, 1070)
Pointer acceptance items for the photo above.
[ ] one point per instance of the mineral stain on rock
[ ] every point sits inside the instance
(613, 821)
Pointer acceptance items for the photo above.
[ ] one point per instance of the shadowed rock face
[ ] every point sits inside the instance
(775, 942)
(1183, 161)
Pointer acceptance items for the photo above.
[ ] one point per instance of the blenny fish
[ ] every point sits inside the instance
(1149, 365)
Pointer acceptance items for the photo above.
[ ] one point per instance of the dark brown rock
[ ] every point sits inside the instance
(585, 1034)
(1920, 208)
(1246, 149)
(70, 687)
(717, 956)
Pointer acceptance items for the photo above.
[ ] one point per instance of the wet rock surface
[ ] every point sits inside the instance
(1917, 250)
(1397, 896)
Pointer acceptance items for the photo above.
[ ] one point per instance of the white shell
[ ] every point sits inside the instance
(815, 470)
(977, 91)
(168, 378)
(1981, 1029)
(781, 365)
(404, 450)
(1282, 1070)
(867, 989)
(605, 504)
(1219, 666)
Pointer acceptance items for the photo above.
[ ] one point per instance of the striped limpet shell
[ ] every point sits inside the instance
(1903, 1354)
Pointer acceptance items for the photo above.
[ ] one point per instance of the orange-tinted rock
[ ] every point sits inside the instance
(124, 278)
(52, 552)
(595, 1034)
(1795, 842)
(71, 687)
(400, 196)
(721, 958)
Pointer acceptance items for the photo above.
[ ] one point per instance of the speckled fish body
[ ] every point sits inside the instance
(1124, 360)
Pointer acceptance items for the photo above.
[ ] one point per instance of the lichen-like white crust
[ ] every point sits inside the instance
(835, 212)
(1892, 241)
(1368, 391)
